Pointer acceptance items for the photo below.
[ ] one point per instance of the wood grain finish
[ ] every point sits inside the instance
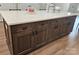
(3, 45)
(30, 36)
(62, 46)
(22, 36)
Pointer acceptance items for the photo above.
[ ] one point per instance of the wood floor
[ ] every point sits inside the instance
(68, 45)
(3, 46)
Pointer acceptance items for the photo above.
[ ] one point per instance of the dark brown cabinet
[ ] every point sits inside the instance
(53, 30)
(39, 38)
(39, 33)
(67, 25)
(22, 43)
(24, 38)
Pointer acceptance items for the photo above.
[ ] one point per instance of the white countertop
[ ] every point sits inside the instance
(19, 17)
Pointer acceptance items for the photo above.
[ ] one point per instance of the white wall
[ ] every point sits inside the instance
(74, 8)
(42, 6)
(7, 6)
(66, 7)
(22, 6)
(69, 7)
(36, 6)
(63, 6)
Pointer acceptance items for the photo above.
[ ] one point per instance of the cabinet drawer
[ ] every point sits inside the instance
(71, 18)
(21, 28)
(67, 19)
(53, 21)
(40, 25)
(62, 20)
(22, 43)
(53, 24)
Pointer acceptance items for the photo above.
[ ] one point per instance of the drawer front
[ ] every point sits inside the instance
(40, 32)
(38, 26)
(67, 19)
(53, 24)
(69, 26)
(73, 18)
(53, 31)
(21, 28)
(53, 21)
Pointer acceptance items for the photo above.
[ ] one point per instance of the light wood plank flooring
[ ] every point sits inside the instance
(3, 46)
(68, 45)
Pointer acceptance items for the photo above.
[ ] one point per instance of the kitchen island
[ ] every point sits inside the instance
(27, 32)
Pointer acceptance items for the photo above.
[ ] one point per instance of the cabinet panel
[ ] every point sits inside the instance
(67, 19)
(39, 38)
(66, 24)
(53, 31)
(62, 26)
(38, 26)
(21, 28)
(22, 43)
(22, 36)
(68, 27)
(40, 33)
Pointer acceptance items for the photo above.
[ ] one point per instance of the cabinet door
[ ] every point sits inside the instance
(66, 24)
(70, 23)
(53, 31)
(21, 37)
(39, 38)
(40, 33)
(22, 43)
(62, 26)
